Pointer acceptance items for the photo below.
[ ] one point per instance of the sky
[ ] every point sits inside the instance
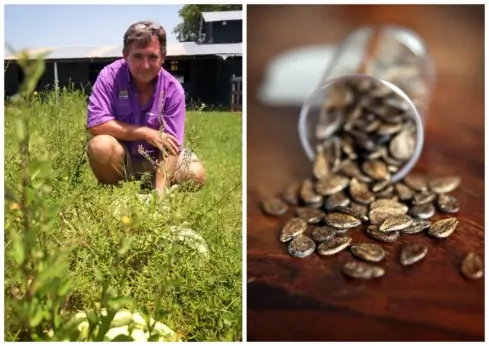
(38, 26)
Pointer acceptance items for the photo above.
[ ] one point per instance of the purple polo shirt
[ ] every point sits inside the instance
(114, 98)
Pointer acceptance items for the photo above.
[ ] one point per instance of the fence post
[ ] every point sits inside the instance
(236, 83)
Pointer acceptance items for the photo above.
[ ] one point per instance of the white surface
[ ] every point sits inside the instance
(292, 76)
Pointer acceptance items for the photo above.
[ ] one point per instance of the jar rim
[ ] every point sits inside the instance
(304, 115)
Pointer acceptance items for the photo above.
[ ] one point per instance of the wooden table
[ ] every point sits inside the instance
(291, 299)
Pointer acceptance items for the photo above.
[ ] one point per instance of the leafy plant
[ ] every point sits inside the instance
(40, 278)
(89, 251)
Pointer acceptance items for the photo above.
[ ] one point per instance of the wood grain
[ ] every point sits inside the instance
(309, 299)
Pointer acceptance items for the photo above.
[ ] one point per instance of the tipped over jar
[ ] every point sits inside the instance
(367, 115)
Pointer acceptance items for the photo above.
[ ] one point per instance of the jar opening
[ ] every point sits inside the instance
(358, 118)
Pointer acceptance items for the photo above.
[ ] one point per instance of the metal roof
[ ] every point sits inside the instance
(222, 16)
(176, 49)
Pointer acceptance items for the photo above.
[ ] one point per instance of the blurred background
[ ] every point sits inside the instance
(454, 35)
(287, 298)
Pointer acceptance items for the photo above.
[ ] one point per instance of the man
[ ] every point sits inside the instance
(136, 104)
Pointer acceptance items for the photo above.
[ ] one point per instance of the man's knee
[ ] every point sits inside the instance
(198, 173)
(106, 159)
(193, 174)
(104, 145)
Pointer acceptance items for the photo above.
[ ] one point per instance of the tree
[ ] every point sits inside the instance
(188, 30)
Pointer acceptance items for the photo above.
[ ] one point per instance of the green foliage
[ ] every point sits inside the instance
(74, 247)
(188, 30)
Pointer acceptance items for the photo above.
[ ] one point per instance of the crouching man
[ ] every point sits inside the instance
(136, 114)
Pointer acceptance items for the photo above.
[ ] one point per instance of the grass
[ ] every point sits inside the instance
(201, 297)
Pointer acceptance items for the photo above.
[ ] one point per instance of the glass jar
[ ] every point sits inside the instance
(379, 79)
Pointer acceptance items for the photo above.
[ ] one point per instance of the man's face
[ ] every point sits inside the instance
(144, 63)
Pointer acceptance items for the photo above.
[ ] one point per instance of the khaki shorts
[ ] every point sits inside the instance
(138, 168)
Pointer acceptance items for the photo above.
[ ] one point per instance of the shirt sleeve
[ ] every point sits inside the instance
(100, 105)
(174, 115)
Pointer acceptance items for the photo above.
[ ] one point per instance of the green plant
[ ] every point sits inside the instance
(198, 296)
(38, 267)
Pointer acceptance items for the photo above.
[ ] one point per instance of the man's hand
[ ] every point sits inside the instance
(162, 140)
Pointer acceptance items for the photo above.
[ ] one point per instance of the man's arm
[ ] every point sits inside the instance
(127, 132)
(174, 115)
(164, 172)
(121, 131)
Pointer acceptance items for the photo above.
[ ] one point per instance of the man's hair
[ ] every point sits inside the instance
(142, 32)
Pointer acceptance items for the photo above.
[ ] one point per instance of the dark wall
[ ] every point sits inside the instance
(210, 81)
(68, 72)
(73, 73)
(202, 88)
(47, 80)
(206, 79)
(216, 32)
(229, 67)
(12, 78)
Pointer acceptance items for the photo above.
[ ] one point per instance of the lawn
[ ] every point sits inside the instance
(198, 296)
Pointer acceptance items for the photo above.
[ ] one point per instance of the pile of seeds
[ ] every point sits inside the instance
(323, 220)
(352, 187)
(364, 125)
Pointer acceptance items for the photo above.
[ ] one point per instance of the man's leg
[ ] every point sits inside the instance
(107, 157)
(184, 169)
(189, 170)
